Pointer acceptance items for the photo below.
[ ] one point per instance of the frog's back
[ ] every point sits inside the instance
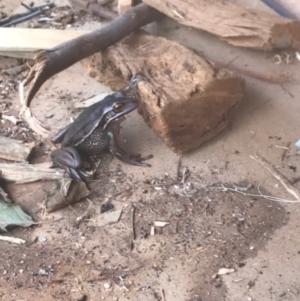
(84, 125)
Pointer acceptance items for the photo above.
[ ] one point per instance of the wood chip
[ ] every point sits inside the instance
(14, 240)
(160, 224)
(15, 150)
(106, 219)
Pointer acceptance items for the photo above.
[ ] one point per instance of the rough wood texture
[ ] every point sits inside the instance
(185, 100)
(14, 150)
(124, 5)
(237, 25)
(66, 192)
(20, 173)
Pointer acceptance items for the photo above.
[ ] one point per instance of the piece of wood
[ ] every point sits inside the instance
(184, 99)
(124, 5)
(235, 24)
(14, 150)
(20, 173)
(13, 240)
(26, 41)
(55, 60)
(66, 192)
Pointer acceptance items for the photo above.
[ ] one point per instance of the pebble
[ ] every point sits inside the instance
(49, 115)
(42, 272)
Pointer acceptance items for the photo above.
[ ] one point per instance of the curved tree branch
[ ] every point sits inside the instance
(55, 60)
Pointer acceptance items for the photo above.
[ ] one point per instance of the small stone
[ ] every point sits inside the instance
(21, 271)
(107, 285)
(49, 115)
(42, 272)
(41, 239)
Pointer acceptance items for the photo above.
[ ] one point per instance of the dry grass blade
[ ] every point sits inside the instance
(278, 176)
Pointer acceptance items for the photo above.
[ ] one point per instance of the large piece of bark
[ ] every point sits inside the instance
(235, 24)
(185, 99)
(14, 150)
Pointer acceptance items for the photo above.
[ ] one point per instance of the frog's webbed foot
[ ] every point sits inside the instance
(77, 174)
(70, 159)
(138, 160)
(131, 88)
(120, 153)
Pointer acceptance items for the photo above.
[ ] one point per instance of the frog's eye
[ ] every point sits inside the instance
(118, 107)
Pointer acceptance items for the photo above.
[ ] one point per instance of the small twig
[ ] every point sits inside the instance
(133, 223)
(16, 19)
(282, 147)
(179, 167)
(14, 240)
(163, 297)
(277, 175)
(133, 228)
(260, 195)
(285, 151)
(185, 173)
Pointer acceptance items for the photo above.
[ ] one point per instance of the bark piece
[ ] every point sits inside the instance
(235, 24)
(15, 150)
(185, 99)
(26, 173)
(124, 5)
(66, 192)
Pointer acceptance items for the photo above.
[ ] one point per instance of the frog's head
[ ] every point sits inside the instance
(116, 107)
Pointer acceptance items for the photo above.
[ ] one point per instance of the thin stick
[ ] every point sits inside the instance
(163, 297)
(133, 223)
(278, 176)
(260, 195)
(14, 240)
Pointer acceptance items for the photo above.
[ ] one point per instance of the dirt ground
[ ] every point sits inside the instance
(210, 223)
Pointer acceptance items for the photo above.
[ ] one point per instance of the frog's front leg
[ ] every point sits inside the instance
(119, 153)
(69, 158)
(58, 138)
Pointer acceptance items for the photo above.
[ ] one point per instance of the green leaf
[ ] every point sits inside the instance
(13, 215)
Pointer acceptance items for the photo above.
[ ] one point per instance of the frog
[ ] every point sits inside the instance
(95, 131)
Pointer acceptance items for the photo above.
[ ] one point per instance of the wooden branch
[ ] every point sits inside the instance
(237, 25)
(14, 150)
(55, 60)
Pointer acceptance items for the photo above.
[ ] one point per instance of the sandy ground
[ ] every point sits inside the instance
(208, 229)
